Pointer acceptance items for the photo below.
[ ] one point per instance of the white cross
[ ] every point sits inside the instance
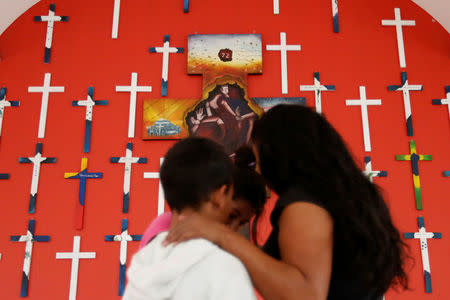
(398, 23)
(317, 88)
(115, 25)
(5, 103)
(29, 239)
(334, 10)
(276, 7)
(364, 102)
(45, 90)
(155, 175)
(371, 173)
(50, 19)
(405, 88)
(446, 100)
(127, 160)
(133, 90)
(75, 256)
(283, 48)
(36, 160)
(89, 103)
(165, 50)
(423, 235)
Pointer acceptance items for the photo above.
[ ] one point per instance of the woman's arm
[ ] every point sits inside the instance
(305, 241)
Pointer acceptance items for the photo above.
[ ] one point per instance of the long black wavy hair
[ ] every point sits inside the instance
(297, 147)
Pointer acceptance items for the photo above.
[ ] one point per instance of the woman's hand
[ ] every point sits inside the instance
(195, 226)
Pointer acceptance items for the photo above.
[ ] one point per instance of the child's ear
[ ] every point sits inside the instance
(219, 197)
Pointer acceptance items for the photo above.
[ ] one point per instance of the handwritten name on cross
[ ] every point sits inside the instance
(28, 239)
(283, 48)
(75, 256)
(165, 50)
(89, 103)
(50, 19)
(445, 101)
(83, 176)
(123, 238)
(398, 23)
(5, 103)
(423, 236)
(36, 160)
(405, 88)
(317, 88)
(127, 160)
(133, 89)
(46, 89)
(415, 158)
(155, 175)
(364, 102)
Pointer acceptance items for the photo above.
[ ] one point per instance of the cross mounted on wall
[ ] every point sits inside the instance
(29, 238)
(50, 19)
(83, 176)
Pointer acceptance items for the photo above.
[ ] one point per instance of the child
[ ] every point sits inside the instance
(197, 179)
(249, 198)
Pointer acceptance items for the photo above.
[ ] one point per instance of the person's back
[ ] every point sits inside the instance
(197, 179)
(196, 269)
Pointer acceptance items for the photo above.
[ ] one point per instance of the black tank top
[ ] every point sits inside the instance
(343, 286)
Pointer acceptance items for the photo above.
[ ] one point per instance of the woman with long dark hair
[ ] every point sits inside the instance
(332, 237)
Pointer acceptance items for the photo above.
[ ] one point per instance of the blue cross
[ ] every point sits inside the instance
(29, 238)
(123, 238)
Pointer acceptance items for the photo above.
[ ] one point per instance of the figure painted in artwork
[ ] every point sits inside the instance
(224, 117)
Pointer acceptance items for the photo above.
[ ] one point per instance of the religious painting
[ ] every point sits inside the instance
(225, 116)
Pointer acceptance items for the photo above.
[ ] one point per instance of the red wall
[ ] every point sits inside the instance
(83, 55)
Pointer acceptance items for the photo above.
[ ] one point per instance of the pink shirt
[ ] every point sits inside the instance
(160, 224)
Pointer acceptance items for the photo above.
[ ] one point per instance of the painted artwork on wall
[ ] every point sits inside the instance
(225, 113)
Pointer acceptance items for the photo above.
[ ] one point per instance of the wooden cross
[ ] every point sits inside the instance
(50, 19)
(398, 23)
(445, 101)
(123, 238)
(28, 239)
(89, 103)
(423, 235)
(405, 88)
(83, 176)
(364, 102)
(36, 160)
(75, 256)
(415, 158)
(155, 175)
(371, 173)
(46, 89)
(115, 24)
(276, 7)
(317, 88)
(127, 160)
(283, 48)
(165, 50)
(133, 89)
(5, 103)
(334, 8)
